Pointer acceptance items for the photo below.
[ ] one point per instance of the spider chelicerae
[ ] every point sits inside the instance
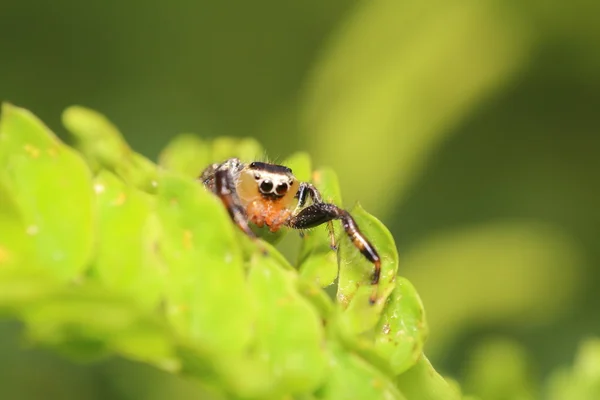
(269, 194)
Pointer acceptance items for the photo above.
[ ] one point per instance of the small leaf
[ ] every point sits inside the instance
(126, 257)
(354, 287)
(289, 331)
(207, 297)
(104, 147)
(402, 330)
(97, 138)
(15, 244)
(353, 378)
(422, 382)
(300, 164)
(52, 187)
(317, 260)
(186, 154)
(224, 148)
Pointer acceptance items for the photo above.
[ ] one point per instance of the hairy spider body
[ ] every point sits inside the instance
(269, 194)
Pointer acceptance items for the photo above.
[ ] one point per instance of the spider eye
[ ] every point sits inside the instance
(252, 165)
(257, 176)
(281, 189)
(266, 186)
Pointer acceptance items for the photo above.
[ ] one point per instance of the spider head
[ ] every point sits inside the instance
(269, 182)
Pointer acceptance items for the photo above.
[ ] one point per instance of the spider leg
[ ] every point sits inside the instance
(321, 213)
(305, 191)
(224, 187)
(332, 243)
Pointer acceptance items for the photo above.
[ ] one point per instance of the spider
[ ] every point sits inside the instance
(269, 194)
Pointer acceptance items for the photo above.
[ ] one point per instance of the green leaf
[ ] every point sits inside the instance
(289, 331)
(126, 257)
(422, 382)
(175, 284)
(354, 287)
(317, 260)
(46, 179)
(88, 322)
(402, 330)
(97, 138)
(353, 378)
(15, 244)
(104, 147)
(208, 301)
(301, 165)
(247, 149)
(186, 154)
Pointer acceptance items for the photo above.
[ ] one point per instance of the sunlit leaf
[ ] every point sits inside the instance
(205, 267)
(186, 154)
(422, 382)
(354, 288)
(104, 147)
(126, 256)
(353, 378)
(402, 330)
(247, 150)
(46, 179)
(289, 332)
(317, 260)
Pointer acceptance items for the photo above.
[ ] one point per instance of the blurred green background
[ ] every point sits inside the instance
(470, 128)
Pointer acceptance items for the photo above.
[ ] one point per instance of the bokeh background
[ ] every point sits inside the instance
(471, 128)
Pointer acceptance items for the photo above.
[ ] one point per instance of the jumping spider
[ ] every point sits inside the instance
(269, 194)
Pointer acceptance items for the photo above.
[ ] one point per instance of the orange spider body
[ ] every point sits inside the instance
(272, 209)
